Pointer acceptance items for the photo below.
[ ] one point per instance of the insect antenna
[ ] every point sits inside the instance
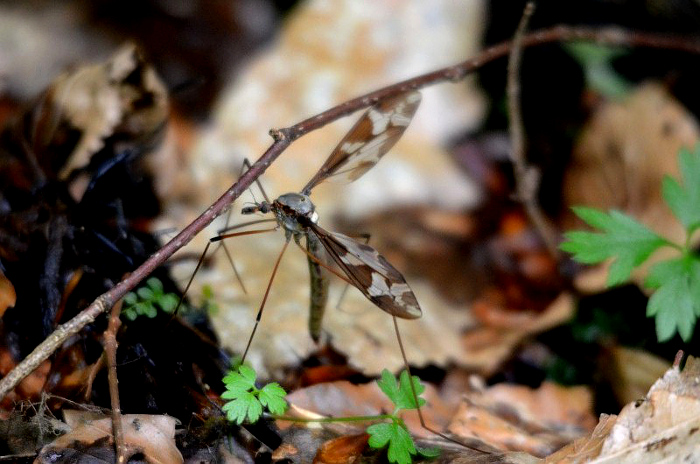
(415, 396)
(264, 300)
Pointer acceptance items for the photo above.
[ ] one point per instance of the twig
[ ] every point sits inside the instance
(527, 177)
(110, 344)
(284, 137)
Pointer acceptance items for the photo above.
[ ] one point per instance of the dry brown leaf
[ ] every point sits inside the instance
(102, 100)
(632, 372)
(152, 436)
(621, 158)
(8, 297)
(518, 418)
(342, 450)
(586, 448)
(342, 398)
(661, 428)
(487, 346)
(323, 56)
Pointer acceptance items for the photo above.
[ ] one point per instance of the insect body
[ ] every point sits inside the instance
(364, 145)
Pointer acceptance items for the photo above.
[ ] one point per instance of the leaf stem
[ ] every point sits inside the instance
(337, 419)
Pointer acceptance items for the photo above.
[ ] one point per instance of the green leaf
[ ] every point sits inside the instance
(207, 292)
(406, 399)
(380, 434)
(243, 379)
(389, 386)
(146, 294)
(130, 313)
(629, 242)
(401, 445)
(676, 301)
(596, 61)
(150, 310)
(155, 285)
(130, 299)
(428, 453)
(400, 393)
(168, 302)
(272, 397)
(684, 200)
(246, 405)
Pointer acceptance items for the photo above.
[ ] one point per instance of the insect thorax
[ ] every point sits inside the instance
(294, 212)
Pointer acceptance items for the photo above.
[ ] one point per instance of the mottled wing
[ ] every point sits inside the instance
(369, 139)
(371, 273)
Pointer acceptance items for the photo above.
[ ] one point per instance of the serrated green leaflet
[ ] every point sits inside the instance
(400, 393)
(625, 240)
(246, 401)
(684, 200)
(245, 405)
(401, 446)
(272, 397)
(676, 301)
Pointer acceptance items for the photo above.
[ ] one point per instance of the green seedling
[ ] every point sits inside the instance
(675, 303)
(246, 403)
(147, 299)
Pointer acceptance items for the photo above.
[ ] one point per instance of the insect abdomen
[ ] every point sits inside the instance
(319, 287)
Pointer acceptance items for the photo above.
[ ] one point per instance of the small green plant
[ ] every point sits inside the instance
(146, 300)
(246, 402)
(675, 302)
(207, 300)
(395, 434)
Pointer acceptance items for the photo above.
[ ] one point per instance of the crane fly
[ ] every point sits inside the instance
(360, 265)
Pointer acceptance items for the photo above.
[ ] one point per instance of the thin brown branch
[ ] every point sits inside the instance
(527, 177)
(110, 345)
(284, 137)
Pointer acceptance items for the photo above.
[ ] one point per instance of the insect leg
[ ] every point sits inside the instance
(247, 164)
(204, 254)
(262, 304)
(415, 396)
(222, 244)
(244, 167)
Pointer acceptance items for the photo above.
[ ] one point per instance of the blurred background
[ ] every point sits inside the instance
(603, 125)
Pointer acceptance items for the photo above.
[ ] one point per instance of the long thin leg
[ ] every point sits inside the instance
(345, 289)
(264, 300)
(204, 254)
(247, 164)
(415, 395)
(228, 255)
(222, 244)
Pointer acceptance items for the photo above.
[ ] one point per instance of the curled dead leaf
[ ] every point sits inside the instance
(518, 418)
(151, 436)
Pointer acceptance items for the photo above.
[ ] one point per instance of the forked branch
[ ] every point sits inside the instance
(284, 137)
